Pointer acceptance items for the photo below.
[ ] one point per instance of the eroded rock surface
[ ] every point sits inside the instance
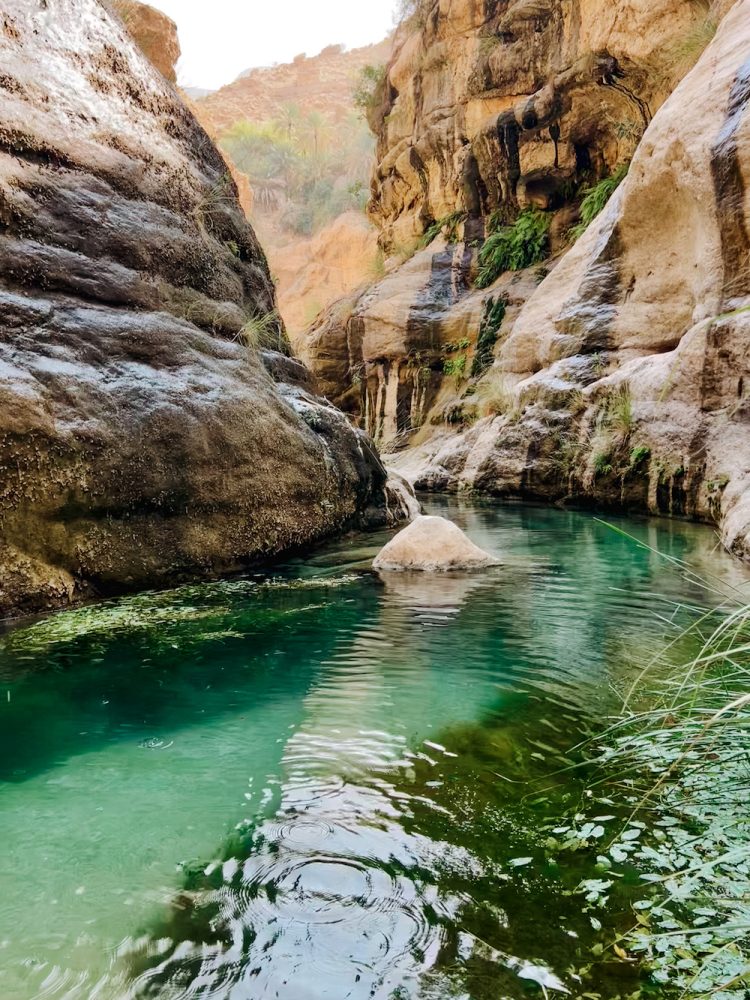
(432, 544)
(142, 440)
(629, 365)
(617, 370)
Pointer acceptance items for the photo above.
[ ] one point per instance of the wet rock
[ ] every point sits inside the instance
(142, 441)
(432, 544)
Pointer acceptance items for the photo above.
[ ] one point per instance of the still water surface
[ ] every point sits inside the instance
(322, 784)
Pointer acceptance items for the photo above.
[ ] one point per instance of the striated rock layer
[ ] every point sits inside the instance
(142, 438)
(618, 369)
(486, 109)
(628, 369)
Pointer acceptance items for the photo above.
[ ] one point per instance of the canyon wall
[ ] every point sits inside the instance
(627, 370)
(321, 83)
(614, 372)
(315, 268)
(152, 428)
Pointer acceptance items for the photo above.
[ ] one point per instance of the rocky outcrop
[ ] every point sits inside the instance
(432, 545)
(614, 372)
(626, 373)
(494, 106)
(312, 273)
(142, 438)
(485, 110)
(155, 33)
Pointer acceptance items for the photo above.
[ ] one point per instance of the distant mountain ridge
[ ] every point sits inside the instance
(321, 83)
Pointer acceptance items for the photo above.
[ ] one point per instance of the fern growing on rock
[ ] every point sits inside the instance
(512, 248)
(595, 199)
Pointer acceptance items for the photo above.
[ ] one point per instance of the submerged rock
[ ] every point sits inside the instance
(432, 544)
(142, 440)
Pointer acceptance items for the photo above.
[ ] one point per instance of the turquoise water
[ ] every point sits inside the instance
(319, 783)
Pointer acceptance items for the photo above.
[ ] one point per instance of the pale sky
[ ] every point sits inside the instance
(221, 38)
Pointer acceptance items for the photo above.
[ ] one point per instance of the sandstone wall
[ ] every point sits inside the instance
(142, 439)
(629, 365)
(504, 103)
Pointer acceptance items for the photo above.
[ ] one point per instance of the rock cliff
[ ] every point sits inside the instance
(627, 370)
(148, 432)
(613, 372)
(155, 33)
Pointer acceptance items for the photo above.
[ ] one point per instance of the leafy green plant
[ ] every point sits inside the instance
(489, 328)
(368, 88)
(595, 199)
(512, 248)
(448, 225)
(638, 455)
(455, 367)
(602, 464)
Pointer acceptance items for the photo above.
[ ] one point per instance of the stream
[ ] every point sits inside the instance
(315, 783)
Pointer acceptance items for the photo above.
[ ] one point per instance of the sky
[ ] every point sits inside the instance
(221, 38)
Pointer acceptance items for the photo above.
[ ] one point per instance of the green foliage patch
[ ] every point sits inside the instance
(595, 199)
(512, 248)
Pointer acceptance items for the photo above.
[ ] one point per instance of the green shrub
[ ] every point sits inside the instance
(602, 464)
(512, 248)
(448, 224)
(368, 86)
(455, 367)
(595, 199)
(638, 455)
(489, 328)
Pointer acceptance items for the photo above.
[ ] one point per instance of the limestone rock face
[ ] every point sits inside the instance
(311, 273)
(432, 544)
(630, 364)
(494, 106)
(142, 440)
(321, 83)
(485, 110)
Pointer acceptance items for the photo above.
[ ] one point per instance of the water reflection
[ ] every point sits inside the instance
(316, 785)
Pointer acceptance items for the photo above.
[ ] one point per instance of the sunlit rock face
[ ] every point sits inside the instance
(618, 370)
(142, 439)
(485, 110)
(155, 33)
(629, 365)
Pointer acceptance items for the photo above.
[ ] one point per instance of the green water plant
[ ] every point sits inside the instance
(514, 247)
(678, 758)
(595, 199)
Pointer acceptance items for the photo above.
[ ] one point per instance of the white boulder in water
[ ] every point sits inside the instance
(432, 544)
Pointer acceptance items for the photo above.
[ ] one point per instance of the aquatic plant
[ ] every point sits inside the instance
(683, 766)
(514, 247)
(595, 199)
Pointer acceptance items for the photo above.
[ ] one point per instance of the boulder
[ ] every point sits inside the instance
(142, 439)
(431, 545)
